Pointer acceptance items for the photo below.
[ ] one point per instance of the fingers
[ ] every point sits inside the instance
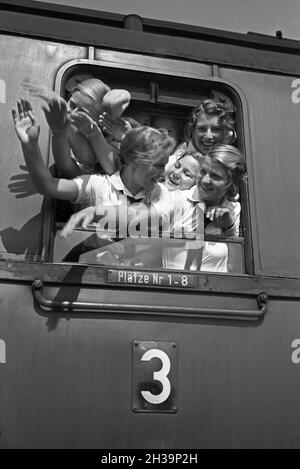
(216, 213)
(14, 115)
(110, 123)
(33, 118)
(82, 218)
(70, 226)
(87, 220)
(24, 109)
(27, 105)
(84, 123)
(58, 104)
(38, 90)
(56, 112)
(33, 87)
(28, 111)
(80, 117)
(23, 106)
(20, 109)
(106, 122)
(46, 111)
(210, 213)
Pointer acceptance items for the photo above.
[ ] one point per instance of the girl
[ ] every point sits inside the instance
(220, 175)
(182, 174)
(74, 125)
(209, 124)
(143, 156)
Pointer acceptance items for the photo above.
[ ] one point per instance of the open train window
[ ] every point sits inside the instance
(156, 98)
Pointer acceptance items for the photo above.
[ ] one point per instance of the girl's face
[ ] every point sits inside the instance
(183, 174)
(208, 131)
(213, 181)
(83, 103)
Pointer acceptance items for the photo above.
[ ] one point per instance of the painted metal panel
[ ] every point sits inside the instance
(67, 382)
(186, 30)
(21, 217)
(148, 43)
(156, 64)
(273, 167)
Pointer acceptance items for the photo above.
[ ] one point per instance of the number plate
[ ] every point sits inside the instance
(160, 279)
(154, 376)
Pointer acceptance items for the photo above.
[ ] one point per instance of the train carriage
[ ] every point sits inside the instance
(107, 356)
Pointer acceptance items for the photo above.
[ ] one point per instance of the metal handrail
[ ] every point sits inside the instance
(172, 311)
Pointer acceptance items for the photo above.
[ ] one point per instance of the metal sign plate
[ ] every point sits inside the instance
(160, 279)
(154, 376)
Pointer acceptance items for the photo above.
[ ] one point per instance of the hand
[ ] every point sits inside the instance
(115, 102)
(56, 114)
(115, 129)
(56, 107)
(21, 184)
(26, 124)
(38, 90)
(221, 216)
(83, 218)
(84, 123)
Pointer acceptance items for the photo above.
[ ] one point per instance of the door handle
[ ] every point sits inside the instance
(173, 311)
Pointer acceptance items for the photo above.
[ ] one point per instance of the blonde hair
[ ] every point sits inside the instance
(195, 154)
(144, 144)
(94, 89)
(234, 162)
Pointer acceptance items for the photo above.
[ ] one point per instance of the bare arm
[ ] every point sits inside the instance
(27, 130)
(103, 152)
(66, 165)
(55, 109)
(56, 114)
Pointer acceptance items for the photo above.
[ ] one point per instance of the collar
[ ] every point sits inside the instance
(119, 186)
(193, 195)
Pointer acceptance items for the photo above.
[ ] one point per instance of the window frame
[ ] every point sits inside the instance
(135, 62)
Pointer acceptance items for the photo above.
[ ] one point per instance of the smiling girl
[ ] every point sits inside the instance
(182, 175)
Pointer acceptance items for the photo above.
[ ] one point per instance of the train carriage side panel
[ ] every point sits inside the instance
(21, 207)
(70, 379)
(273, 167)
(67, 380)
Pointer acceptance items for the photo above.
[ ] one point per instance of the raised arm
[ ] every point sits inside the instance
(55, 109)
(28, 129)
(57, 117)
(103, 152)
